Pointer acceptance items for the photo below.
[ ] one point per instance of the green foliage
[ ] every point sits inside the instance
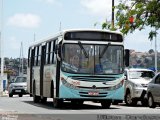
(144, 12)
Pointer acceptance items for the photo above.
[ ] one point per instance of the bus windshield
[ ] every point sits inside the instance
(92, 59)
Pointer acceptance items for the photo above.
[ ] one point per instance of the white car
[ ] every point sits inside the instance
(136, 85)
(18, 87)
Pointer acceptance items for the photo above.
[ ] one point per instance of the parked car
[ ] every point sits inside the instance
(136, 85)
(153, 93)
(18, 86)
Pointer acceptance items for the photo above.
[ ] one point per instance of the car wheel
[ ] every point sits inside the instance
(10, 95)
(20, 95)
(129, 100)
(144, 102)
(151, 103)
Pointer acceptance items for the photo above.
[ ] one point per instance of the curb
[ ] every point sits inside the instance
(4, 94)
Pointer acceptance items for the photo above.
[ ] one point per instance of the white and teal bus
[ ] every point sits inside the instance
(77, 65)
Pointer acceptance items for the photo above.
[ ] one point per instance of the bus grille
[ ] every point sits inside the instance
(92, 78)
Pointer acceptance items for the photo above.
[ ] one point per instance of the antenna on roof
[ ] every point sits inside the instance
(60, 26)
(34, 37)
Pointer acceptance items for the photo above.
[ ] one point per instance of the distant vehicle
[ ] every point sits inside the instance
(153, 93)
(77, 66)
(18, 86)
(136, 85)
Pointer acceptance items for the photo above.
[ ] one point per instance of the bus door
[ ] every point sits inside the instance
(43, 50)
(31, 67)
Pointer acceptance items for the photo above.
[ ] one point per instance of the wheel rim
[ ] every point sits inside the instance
(129, 100)
(150, 101)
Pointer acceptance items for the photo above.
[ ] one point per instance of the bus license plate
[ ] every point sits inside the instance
(17, 90)
(93, 93)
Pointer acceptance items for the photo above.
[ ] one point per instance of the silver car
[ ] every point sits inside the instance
(18, 87)
(136, 85)
(153, 93)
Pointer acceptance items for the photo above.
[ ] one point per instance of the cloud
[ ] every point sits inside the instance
(24, 20)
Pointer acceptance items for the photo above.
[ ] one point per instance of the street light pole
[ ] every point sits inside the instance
(155, 54)
(112, 13)
(1, 47)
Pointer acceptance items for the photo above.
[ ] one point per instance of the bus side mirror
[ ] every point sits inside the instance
(127, 56)
(58, 51)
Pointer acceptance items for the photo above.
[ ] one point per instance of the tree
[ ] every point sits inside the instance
(137, 14)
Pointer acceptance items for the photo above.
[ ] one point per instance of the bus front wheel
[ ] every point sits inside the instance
(36, 98)
(106, 104)
(57, 103)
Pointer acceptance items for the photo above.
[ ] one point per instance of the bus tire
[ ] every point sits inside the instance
(43, 99)
(116, 102)
(57, 103)
(77, 103)
(106, 104)
(52, 89)
(35, 97)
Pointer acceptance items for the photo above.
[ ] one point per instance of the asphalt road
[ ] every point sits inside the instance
(25, 107)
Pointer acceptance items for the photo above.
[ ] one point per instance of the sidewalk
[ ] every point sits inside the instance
(4, 94)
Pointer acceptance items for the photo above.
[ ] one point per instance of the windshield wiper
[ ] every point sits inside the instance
(84, 51)
(104, 50)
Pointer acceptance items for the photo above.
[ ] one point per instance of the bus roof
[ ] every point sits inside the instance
(69, 30)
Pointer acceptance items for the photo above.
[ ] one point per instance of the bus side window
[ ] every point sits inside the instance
(35, 56)
(51, 52)
(54, 47)
(29, 57)
(39, 55)
(46, 61)
(48, 49)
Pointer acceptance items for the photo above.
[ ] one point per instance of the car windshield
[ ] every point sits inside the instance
(92, 59)
(141, 74)
(20, 79)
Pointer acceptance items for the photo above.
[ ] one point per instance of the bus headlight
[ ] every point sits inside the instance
(118, 85)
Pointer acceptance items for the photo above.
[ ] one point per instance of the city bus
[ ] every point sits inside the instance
(77, 65)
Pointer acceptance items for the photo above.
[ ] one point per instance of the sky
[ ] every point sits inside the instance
(27, 21)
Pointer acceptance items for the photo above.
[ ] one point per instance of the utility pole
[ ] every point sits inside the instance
(60, 26)
(112, 13)
(1, 48)
(156, 54)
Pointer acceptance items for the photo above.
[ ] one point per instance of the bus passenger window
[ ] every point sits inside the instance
(35, 56)
(39, 56)
(48, 53)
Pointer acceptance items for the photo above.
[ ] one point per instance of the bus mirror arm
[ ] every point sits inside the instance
(58, 52)
(127, 56)
(56, 49)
